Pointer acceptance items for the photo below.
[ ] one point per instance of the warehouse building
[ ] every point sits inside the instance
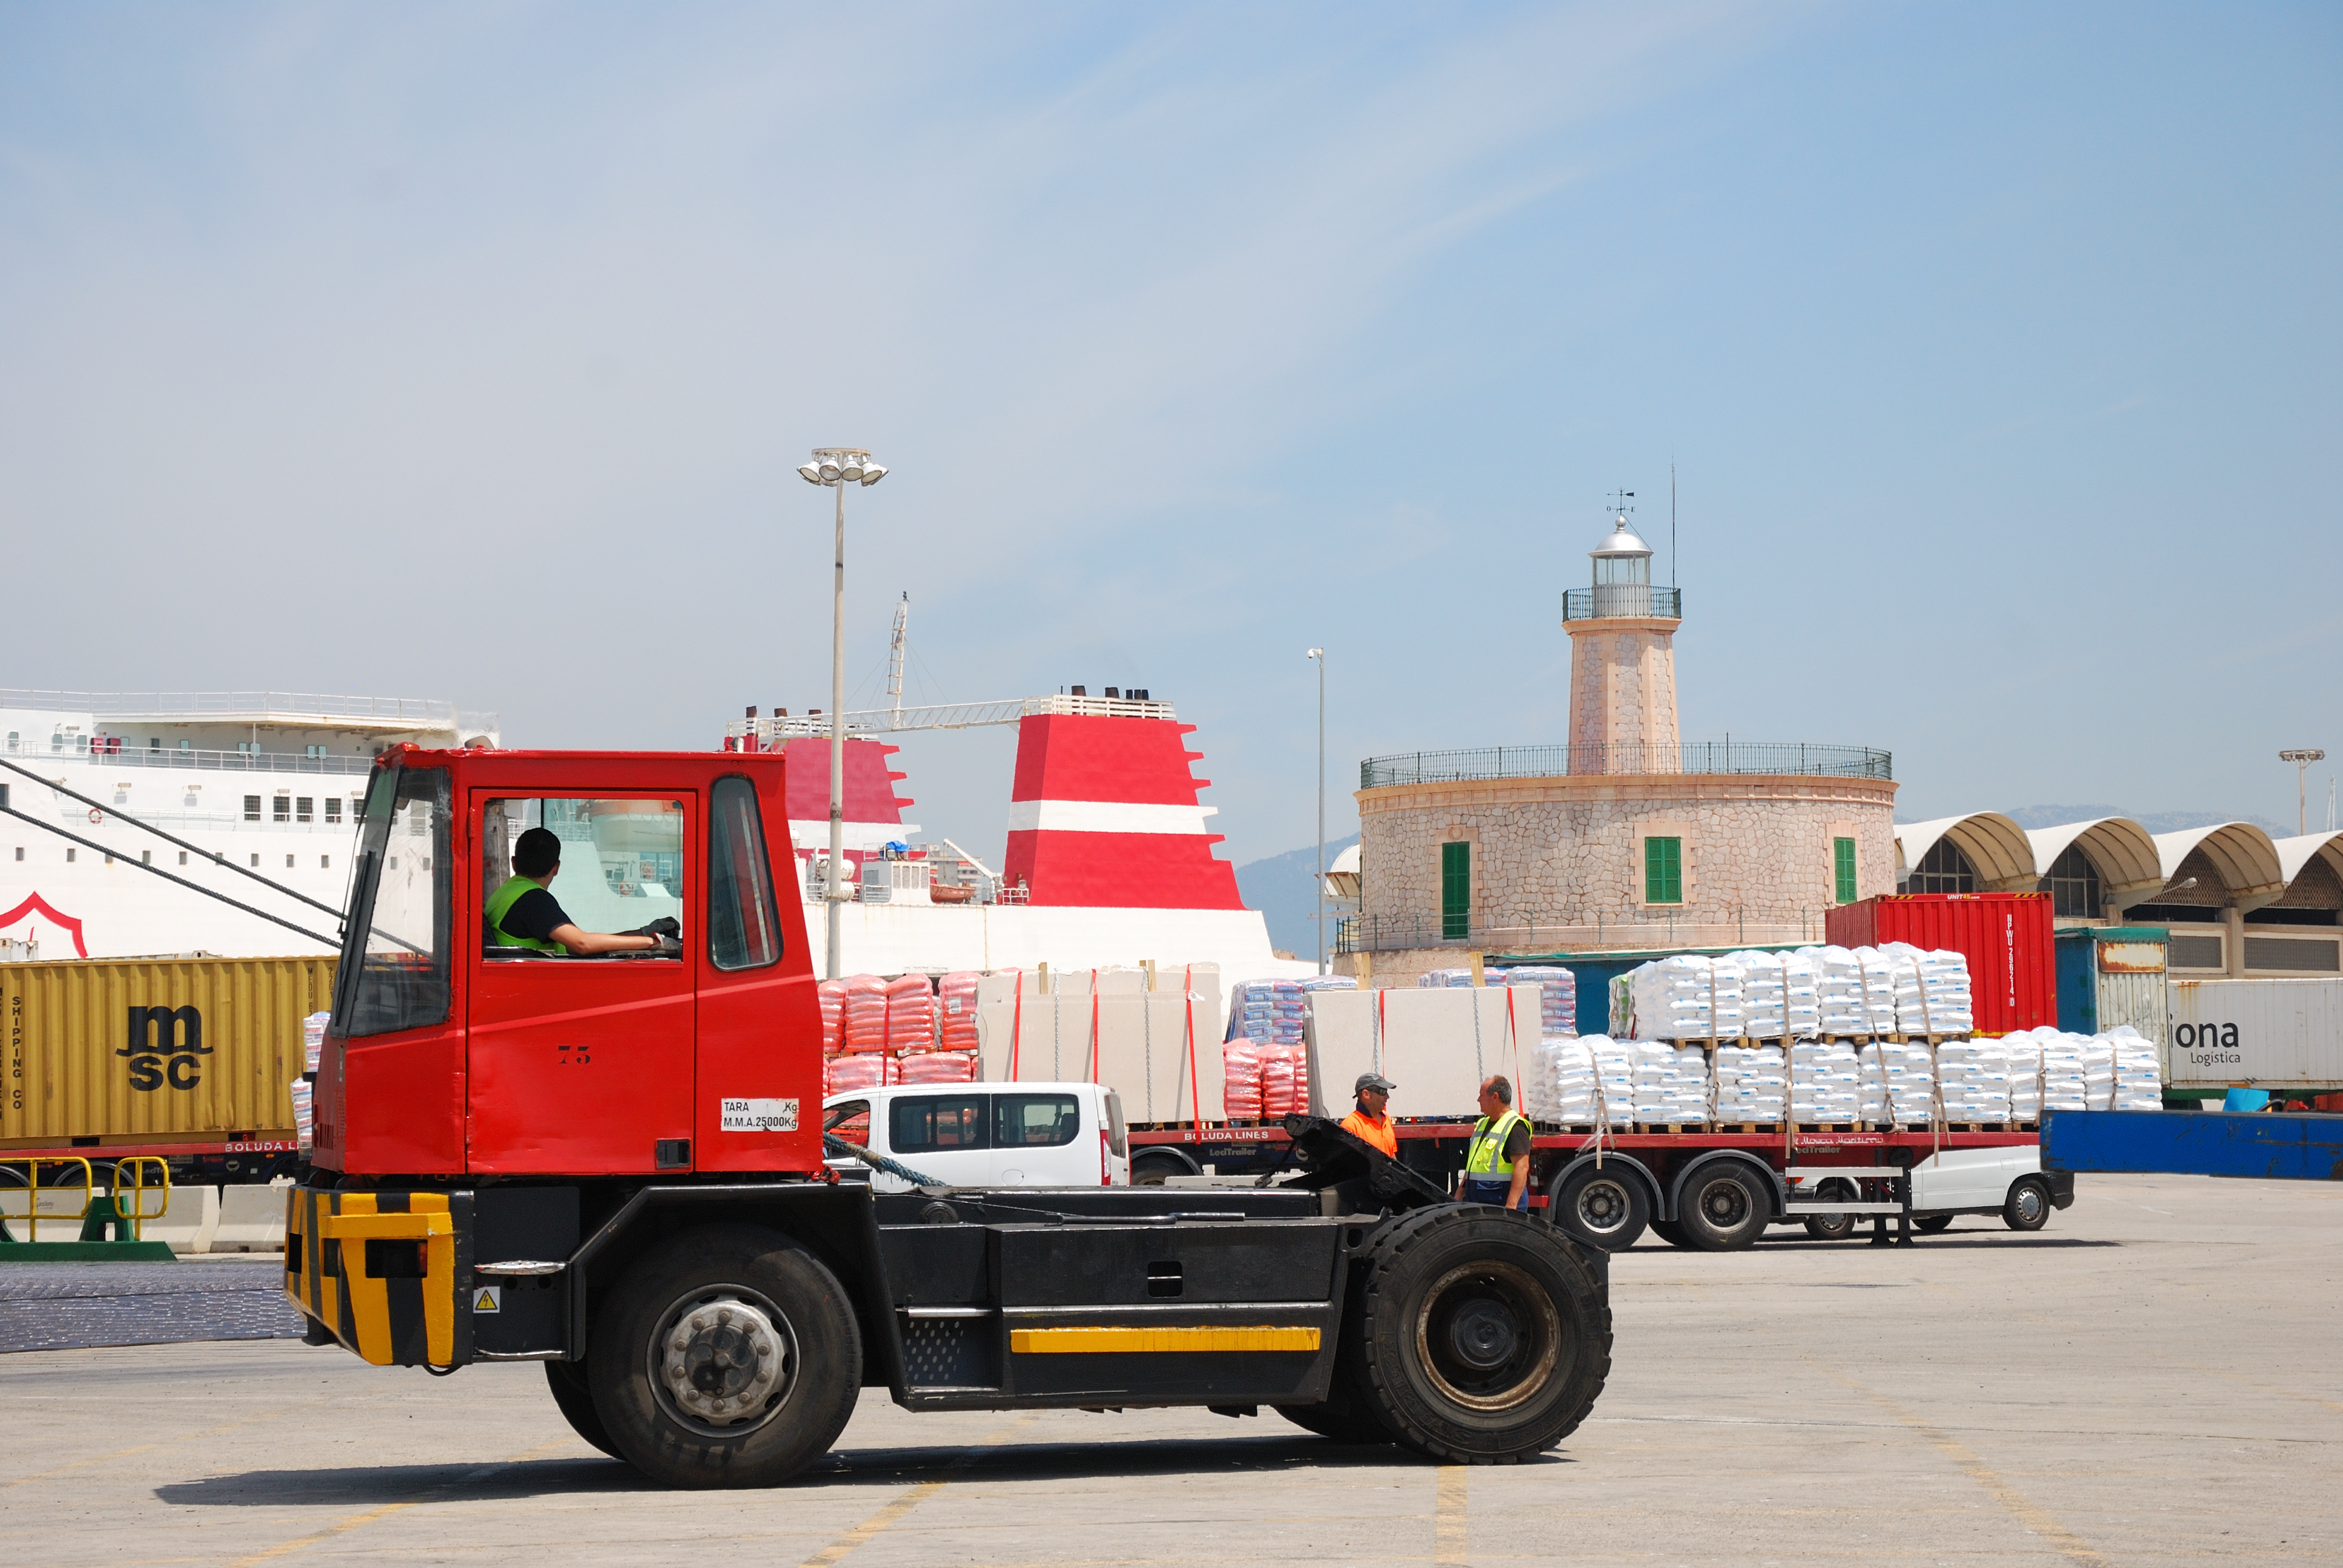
(2238, 901)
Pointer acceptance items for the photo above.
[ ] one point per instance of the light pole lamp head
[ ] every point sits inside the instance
(840, 466)
(2302, 755)
(1317, 653)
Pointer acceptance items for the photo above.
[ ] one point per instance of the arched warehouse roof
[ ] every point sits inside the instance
(2123, 852)
(1994, 844)
(2294, 854)
(2244, 856)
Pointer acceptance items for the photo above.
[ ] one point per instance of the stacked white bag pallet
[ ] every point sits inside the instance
(1753, 1084)
(1855, 993)
(1823, 1082)
(1781, 995)
(1557, 993)
(1688, 998)
(1897, 1081)
(1561, 1090)
(1672, 1084)
(1972, 1080)
(1932, 990)
(2139, 1074)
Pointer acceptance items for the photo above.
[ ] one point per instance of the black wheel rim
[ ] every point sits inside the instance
(1602, 1207)
(1723, 1204)
(1488, 1336)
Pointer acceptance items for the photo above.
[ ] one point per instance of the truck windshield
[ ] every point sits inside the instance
(395, 952)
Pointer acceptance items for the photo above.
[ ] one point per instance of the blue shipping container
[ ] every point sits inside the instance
(2195, 1143)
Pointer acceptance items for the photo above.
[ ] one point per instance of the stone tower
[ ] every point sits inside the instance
(1622, 663)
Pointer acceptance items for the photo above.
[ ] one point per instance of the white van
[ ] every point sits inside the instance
(2007, 1180)
(986, 1134)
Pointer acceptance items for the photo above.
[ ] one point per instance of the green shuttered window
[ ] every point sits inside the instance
(1842, 868)
(1664, 870)
(1455, 891)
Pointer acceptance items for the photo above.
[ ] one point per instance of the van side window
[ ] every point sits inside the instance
(850, 1120)
(934, 1122)
(1035, 1121)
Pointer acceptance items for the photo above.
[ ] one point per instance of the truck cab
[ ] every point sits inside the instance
(1024, 1134)
(614, 1167)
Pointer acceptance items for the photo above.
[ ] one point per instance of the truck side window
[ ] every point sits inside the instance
(395, 953)
(1035, 1121)
(744, 927)
(933, 1122)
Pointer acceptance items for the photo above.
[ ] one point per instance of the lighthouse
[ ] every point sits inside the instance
(1622, 662)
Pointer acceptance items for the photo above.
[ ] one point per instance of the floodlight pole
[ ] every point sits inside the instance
(1319, 655)
(2302, 758)
(830, 884)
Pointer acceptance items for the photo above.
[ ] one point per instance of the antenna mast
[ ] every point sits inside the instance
(895, 654)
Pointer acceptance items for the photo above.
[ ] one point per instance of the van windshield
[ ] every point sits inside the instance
(395, 950)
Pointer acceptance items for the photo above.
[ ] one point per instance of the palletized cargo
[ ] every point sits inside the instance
(144, 1052)
(2006, 937)
(2278, 1034)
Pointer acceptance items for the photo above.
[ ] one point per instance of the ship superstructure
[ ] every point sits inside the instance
(267, 780)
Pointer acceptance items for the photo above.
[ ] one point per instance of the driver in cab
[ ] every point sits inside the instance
(524, 913)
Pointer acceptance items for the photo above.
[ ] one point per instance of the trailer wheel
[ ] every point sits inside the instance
(1833, 1227)
(2028, 1204)
(1605, 1209)
(1671, 1231)
(1483, 1337)
(727, 1356)
(1723, 1209)
(575, 1399)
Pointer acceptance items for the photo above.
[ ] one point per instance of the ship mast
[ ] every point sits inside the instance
(895, 654)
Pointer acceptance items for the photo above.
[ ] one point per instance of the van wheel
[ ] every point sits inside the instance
(1150, 1167)
(728, 1356)
(2028, 1205)
(1930, 1224)
(1723, 1210)
(1483, 1336)
(1606, 1209)
(575, 1403)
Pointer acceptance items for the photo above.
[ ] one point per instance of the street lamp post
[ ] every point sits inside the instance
(1319, 653)
(838, 467)
(2301, 757)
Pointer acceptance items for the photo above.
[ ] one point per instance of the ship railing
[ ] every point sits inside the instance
(254, 707)
(115, 751)
(1659, 930)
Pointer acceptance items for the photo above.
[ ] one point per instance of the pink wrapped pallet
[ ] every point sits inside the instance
(1240, 1080)
(863, 1023)
(956, 997)
(909, 1014)
(938, 1067)
(855, 1071)
(831, 994)
(1276, 1083)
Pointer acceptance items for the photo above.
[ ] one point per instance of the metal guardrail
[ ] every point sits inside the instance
(1662, 930)
(261, 707)
(947, 716)
(94, 751)
(1768, 757)
(1638, 600)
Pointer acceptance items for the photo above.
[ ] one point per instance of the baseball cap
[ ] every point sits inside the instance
(1372, 1080)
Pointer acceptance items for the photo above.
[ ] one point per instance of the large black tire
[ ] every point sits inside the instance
(575, 1403)
(1480, 1335)
(1606, 1207)
(1723, 1208)
(756, 1353)
(2028, 1207)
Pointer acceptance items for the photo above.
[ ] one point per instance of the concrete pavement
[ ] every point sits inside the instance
(2153, 1379)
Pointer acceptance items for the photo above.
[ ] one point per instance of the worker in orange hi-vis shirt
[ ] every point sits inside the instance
(1370, 1121)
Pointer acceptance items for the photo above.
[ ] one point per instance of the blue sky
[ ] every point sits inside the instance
(466, 350)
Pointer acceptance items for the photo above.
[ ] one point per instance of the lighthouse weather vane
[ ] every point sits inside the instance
(1619, 499)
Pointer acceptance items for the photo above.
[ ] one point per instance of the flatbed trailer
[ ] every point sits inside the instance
(1704, 1189)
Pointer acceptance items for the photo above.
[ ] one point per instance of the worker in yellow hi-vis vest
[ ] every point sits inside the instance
(1497, 1162)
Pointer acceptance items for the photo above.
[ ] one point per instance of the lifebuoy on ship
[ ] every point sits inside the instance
(95, 815)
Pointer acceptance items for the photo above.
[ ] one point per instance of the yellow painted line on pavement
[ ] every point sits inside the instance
(342, 1526)
(2020, 1507)
(1450, 1536)
(837, 1550)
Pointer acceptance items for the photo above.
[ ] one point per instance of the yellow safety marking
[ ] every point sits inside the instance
(369, 1298)
(1155, 1342)
(1450, 1536)
(2020, 1507)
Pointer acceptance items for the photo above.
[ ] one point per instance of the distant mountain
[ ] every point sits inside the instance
(2153, 821)
(1279, 888)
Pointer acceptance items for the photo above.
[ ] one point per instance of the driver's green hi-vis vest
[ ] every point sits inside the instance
(1489, 1144)
(503, 900)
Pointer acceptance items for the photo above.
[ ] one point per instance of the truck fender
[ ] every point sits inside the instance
(1653, 1188)
(1770, 1181)
(835, 1219)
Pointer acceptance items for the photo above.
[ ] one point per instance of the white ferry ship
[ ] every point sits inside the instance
(270, 781)
(1109, 858)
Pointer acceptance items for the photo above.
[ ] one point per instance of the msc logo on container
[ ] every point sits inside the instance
(163, 1048)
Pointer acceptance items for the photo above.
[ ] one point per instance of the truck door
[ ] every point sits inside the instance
(585, 1064)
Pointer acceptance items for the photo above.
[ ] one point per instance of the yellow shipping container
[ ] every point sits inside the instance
(155, 1050)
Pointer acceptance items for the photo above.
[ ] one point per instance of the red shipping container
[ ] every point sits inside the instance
(2006, 937)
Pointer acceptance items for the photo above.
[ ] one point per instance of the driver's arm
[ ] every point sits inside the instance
(592, 944)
